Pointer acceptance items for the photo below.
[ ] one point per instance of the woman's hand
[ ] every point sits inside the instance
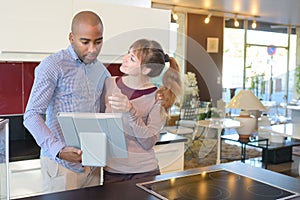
(119, 102)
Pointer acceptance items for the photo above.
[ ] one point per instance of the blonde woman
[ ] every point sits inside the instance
(146, 113)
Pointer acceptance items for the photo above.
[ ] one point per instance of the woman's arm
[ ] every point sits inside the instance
(147, 131)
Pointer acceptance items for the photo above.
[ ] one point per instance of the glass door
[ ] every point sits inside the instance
(266, 71)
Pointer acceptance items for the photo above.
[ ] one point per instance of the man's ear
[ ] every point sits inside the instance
(146, 71)
(71, 39)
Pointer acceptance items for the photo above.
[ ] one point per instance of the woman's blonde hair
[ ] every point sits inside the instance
(152, 56)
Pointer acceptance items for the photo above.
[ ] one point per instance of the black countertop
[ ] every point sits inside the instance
(129, 190)
(166, 138)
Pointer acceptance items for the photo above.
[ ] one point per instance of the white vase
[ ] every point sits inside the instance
(248, 124)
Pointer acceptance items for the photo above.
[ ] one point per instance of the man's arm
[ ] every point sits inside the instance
(40, 97)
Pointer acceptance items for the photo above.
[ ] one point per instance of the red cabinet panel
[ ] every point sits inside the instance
(11, 88)
(28, 78)
(114, 69)
(16, 79)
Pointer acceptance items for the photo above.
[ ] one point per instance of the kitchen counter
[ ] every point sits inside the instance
(129, 190)
(169, 151)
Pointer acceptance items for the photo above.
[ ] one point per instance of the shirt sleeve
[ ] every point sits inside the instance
(147, 133)
(46, 77)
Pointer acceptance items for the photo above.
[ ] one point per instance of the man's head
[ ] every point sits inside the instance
(86, 36)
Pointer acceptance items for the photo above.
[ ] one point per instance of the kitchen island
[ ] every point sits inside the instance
(129, 189)
(169, 151)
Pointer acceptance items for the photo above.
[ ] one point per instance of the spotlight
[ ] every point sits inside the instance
(175, 16)
(207, 19)
(254, 23)
(236, 22)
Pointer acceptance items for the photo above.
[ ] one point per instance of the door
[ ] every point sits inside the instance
(266, 72)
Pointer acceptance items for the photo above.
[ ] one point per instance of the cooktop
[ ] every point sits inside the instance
(217, 184)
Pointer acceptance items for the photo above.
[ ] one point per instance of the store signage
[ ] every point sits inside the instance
(271, 50)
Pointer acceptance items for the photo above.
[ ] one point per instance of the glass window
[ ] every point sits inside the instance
(266, 63)
(267, 38)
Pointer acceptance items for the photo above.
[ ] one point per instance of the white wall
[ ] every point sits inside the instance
(139, 3)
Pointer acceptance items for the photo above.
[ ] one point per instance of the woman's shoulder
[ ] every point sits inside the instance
(111, 79)
(110, 82)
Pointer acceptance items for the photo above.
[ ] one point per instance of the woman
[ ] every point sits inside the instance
(146, 112)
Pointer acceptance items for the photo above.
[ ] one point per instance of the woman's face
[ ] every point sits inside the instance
(131, 65)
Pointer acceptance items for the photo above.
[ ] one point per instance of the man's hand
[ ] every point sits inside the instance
(119, 102)
(71, 154)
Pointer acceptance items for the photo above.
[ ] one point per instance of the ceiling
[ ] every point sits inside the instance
(283, 12)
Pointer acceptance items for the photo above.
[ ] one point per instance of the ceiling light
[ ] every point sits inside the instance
(254, 23)
(207, 19)
(236, 22)
(175, 16)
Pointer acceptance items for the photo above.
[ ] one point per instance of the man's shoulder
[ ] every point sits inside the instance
(103, 68)
(61, 55)
(55, 62)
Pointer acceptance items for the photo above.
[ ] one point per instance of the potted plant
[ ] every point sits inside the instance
(191, 90)
(297, 80)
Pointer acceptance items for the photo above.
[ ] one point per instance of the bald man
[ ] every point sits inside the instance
(70, 80)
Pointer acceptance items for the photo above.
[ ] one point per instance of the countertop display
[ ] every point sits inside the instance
(280, 183)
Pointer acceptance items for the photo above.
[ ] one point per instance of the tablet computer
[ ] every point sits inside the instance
(81, 125)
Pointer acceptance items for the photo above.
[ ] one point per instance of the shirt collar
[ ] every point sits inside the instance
(75, 56)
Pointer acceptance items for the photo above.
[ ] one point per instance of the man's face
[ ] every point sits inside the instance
(87, 42)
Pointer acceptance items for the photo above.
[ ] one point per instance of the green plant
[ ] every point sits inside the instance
(297, 79)
(257, 83)
(191, 90)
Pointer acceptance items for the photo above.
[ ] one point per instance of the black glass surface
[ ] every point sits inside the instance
(220, 184)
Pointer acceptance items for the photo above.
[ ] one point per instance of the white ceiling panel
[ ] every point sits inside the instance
(284, 12)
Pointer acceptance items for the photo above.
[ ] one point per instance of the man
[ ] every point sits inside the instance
(70, 80)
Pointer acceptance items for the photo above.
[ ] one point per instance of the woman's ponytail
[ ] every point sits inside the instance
(172, 84)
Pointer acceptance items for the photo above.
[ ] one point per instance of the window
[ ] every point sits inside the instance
(263, 62)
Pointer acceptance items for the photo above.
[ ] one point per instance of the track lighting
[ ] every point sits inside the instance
(207, 19)
(254, 23)
(236, 22)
